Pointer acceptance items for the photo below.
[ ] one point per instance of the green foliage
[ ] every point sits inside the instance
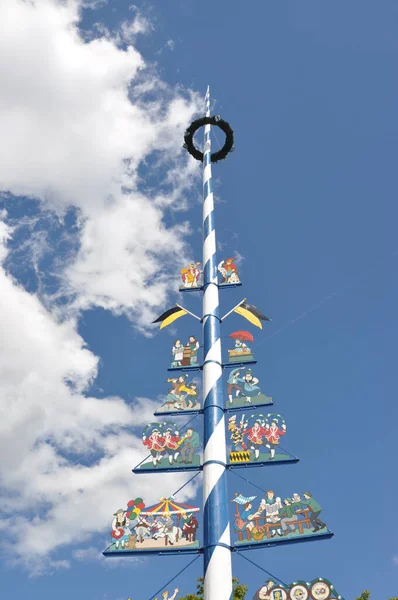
(238, 591)
(364, 596)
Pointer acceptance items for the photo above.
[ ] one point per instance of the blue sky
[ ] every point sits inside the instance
(307, 200)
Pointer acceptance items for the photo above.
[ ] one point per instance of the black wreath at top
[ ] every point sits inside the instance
(223, 125)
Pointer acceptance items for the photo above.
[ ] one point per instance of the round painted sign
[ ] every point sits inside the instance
(278, 593)
(298, 592)
(320, 590)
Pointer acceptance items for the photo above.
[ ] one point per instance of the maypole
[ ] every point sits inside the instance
(171, 527)
(217, 544)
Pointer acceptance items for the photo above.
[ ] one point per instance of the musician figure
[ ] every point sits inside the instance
(188, 444)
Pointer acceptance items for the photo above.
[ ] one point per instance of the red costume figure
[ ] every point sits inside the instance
(171, 445)
(273, 434)
(255, 435)
(155, 444)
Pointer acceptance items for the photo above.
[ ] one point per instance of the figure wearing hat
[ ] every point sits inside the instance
(315, 512)
(272, 434)
(288, 516)
(256, 436)
(264, 592)
(171, 444)
(120, 528)
(237, 432)
(250, 389)
(155, 444)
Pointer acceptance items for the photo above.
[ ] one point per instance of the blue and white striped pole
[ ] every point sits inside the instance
(217, 552)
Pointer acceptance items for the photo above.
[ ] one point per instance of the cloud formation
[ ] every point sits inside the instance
(89, 127)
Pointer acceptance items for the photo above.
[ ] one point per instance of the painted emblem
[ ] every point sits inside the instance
(183, 395)
(164, 526)
(278, 593)
(256, 438)
(241, 352)
(317, 589)
(185, 356)
(243, 389)
(229, 272)
(169, 449)
(276, 518)
(298, 592)
(321, 590)
(191, 276)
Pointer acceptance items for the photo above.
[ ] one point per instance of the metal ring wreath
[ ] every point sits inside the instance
(218, 122)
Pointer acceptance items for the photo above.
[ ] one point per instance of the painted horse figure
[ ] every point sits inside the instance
(173, 534)
(190, 528)
(142, 530)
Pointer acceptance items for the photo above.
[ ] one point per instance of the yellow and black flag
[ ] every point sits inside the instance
(170, 315)
(251, 313)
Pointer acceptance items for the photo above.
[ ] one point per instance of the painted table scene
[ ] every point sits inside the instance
(241, 352)
(185, 356)
(317, 589)
(191, 277)
(243, 389)
(256, 439)
(164, 526)
(276, 518)
(168, 449)
(229, 272)
(183, 395)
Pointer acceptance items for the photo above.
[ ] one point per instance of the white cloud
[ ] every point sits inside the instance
(395, 560)
(59, 500)
(79, 124)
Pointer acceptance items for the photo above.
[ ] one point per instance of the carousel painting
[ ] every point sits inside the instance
(255, 439)
(168, 449)
(229, 272)
(191, 277)
(182, 396)
(317, 589)
(184, 357)
(274, 519)
(243, 389)
(165, 526)
(241, 352)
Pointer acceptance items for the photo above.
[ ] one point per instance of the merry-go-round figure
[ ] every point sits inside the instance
(229, 272)
(241, 351)
(166, 525)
